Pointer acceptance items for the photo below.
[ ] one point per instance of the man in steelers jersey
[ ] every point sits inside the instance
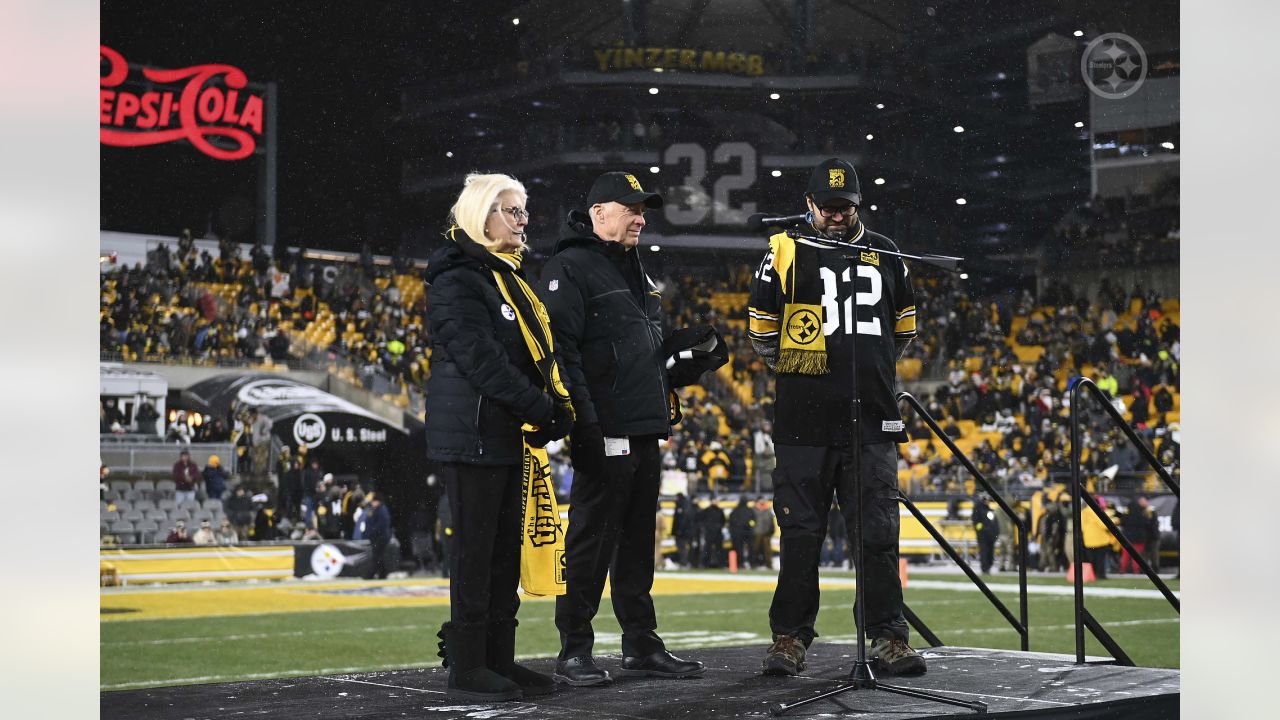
(807, 302)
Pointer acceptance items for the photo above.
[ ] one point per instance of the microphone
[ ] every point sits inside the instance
(759, 221)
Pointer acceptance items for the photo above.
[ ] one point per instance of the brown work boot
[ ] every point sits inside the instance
(895, 657)
(786, 656)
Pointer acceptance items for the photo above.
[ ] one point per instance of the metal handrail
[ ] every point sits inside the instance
(1082, 615)
(1020, 623)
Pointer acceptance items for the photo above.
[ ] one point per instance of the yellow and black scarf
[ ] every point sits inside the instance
(802, 347)
(531, 314)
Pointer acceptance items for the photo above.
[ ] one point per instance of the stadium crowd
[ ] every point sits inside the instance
(993, 371)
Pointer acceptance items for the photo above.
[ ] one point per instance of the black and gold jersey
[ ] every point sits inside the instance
(871, 298)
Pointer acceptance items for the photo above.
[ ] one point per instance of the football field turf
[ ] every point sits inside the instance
(178, 635)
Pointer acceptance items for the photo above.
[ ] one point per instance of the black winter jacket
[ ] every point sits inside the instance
(606, 314)
(483, 383)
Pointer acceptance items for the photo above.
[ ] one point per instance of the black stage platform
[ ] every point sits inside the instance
(1013, 684)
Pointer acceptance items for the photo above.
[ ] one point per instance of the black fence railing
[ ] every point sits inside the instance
(1022, 524)
(1083, 618)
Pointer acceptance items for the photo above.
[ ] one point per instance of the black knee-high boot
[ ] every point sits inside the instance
(501, 658)
(464, 649)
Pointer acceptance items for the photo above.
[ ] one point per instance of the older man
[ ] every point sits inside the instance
(606, 313)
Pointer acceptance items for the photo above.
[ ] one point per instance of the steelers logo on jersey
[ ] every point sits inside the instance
(804, 327)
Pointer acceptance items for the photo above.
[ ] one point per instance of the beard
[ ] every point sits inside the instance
(839, 233)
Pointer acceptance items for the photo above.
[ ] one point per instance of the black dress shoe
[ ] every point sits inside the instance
(580, 671)
(660, 664)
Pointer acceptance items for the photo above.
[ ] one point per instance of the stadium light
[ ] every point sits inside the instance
(961, 201)
(776, 173)
(870, 136)
(515, 21)
(1079, 123)
(879, 106)
(775, 96)
(879, 181)
(654, 169)
(958, 128)
(1078, 33)
(654, 248)
(449, 154)
(653, 91)
(873, 208)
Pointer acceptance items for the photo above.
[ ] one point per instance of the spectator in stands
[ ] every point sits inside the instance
(491, 349)
(762, 535)
(711, 531)
(178, 536)
(987, 528)
(265, 519)
(291, 487)
(110, 414)
(186, 477)
(377, 530)
(837, 539)
(215, 478)
(1097, 538)
(204, 535)
(260, 434)
(239, 508)
(179, 431)
(683, 528)
(226, 535)
(1139, 525)
(742, 521)
(312, 487)
(145, 419)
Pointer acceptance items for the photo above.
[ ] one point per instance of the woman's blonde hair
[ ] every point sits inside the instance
(478, 198)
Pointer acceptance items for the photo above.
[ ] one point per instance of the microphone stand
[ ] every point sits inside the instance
(861, 677)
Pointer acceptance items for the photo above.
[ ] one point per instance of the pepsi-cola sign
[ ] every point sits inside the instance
(193, 104)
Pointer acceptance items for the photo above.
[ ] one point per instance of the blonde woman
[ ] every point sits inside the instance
(493, 374)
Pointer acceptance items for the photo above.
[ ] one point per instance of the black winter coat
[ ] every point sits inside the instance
(606, 314)
(483, 384)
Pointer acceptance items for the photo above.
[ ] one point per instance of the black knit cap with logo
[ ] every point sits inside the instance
(621, 187)
(834, 179)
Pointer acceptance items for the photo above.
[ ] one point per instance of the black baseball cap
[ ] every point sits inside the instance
(621, 187)
(834, 179)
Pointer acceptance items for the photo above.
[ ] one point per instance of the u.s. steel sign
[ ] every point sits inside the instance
(194, 104)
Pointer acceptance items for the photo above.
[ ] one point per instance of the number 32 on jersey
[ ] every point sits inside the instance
(841, 314)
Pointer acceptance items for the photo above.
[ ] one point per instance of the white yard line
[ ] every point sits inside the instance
(1093, 590)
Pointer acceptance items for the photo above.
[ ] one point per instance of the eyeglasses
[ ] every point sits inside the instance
(844, 210)
(515, 212)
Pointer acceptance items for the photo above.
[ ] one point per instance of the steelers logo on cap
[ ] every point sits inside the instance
(835, 177)
(804, 327)
(635, 184)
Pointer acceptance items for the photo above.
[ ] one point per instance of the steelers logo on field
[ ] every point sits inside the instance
(803, 327)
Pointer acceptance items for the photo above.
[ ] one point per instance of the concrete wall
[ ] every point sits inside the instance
(181, 377)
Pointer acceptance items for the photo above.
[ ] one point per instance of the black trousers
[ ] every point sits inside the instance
(611, 530)
(484, 562)
(803, 484)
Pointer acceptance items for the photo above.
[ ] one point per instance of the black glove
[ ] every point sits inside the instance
(586, 447)
(559, 425)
